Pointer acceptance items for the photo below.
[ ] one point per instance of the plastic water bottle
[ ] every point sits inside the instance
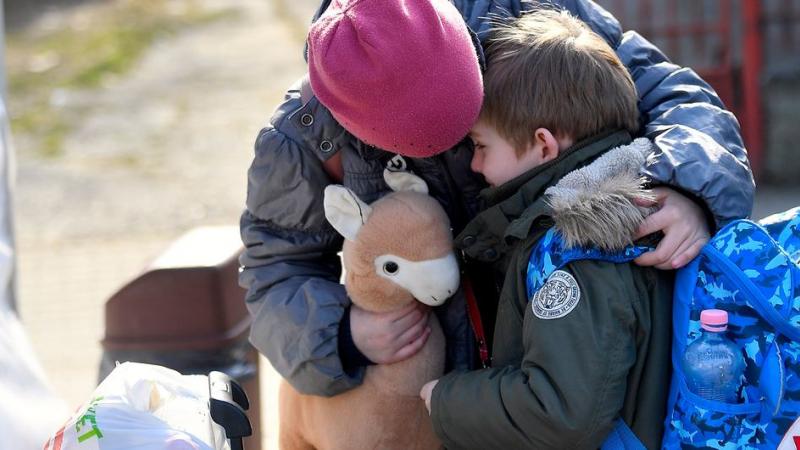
(714, 365)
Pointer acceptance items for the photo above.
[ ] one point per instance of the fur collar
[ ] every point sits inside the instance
(595, 205)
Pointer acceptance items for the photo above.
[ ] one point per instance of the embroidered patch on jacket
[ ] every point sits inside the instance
(557, 298)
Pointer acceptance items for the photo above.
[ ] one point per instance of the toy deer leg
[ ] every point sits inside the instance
(290, 434)
(289, 441)
(426, 437)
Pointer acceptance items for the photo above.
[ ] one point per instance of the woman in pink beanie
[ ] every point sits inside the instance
(370, 63)
(397, 83)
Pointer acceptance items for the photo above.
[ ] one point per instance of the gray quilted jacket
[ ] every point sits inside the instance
(290, 267)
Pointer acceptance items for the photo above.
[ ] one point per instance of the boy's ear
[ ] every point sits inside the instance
(546, 142)
(346, 212)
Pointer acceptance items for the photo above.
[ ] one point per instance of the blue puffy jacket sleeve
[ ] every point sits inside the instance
(290, 265)
(699, 149)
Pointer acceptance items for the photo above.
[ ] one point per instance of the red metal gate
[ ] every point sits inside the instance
(719, 39)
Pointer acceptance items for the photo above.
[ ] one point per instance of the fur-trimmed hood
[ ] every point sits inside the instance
(589, 192)
(596, 205)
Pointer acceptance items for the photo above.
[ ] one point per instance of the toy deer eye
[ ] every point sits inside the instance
(390, 268)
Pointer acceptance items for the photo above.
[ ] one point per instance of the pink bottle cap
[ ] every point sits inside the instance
(714, 320)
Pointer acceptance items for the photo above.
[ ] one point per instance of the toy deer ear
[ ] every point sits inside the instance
(404, 181)
(345, 211)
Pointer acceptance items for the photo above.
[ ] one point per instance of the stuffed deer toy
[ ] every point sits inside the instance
(396, 251)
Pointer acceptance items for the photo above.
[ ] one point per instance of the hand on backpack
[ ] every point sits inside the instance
(684, 226)
(390, 337)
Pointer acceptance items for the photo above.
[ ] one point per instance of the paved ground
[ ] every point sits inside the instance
(160, 151)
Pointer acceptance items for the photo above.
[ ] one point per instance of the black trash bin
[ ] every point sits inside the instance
(186, 311)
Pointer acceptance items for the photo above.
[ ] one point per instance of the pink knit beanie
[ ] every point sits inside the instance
(402, 75)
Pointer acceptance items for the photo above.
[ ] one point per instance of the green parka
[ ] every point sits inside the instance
(559, 383)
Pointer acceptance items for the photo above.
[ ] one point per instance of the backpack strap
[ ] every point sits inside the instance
(622, 438)
(762, 269)
(551, 254)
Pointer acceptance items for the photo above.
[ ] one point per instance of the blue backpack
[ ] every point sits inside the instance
(752, 271)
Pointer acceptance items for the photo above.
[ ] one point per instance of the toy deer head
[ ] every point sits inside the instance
(397, 249)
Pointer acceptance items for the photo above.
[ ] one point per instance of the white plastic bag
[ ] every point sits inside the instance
(143, 407)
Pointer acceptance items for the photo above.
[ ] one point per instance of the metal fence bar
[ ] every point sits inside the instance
(699, 34)
(752, 61)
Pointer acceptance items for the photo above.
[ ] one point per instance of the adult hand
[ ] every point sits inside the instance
(426, 392)
(390, 337)
(683, 224)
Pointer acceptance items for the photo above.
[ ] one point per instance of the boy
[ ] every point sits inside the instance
(593, 344)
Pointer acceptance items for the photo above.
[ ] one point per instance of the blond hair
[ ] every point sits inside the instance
(548, 69)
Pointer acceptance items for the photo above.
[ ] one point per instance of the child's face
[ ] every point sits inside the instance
(495, 158)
